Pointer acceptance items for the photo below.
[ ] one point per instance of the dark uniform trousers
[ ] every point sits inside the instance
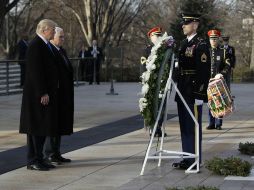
(214, 121)
(220, 63)
(187, 128)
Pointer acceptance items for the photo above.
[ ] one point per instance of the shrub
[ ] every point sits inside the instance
(229, 166)
(247, 148)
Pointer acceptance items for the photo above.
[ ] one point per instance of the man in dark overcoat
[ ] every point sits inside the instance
(39, 102)
(65, 100)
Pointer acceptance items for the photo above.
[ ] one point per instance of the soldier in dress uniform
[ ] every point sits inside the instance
(192, 82)
(220, 66)
(231, 53)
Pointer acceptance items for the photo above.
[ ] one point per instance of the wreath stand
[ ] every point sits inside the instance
(168, 154)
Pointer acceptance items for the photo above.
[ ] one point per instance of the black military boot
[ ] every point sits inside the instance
(209, 127)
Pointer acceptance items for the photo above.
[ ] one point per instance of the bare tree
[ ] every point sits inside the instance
(99, 19)
(22, 19)
(5, 7)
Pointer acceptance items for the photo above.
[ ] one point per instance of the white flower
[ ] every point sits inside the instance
(158, 44)
(151, 59)
(142, 104)
(145, 76)
(145, 89)
(141, 100)
(150, 67)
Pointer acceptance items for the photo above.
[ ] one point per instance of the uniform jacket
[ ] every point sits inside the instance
(65, 92)
(231, 54)
(194, 70)
(41, 78)
(220, 62)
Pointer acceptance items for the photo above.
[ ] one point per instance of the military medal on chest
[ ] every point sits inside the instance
(189, 51)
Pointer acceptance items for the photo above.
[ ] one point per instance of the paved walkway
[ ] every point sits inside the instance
(116, 163)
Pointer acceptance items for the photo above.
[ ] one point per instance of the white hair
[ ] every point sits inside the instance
(58, 30)
(44, 25)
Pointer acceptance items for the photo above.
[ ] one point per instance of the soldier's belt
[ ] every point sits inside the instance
(188, 72)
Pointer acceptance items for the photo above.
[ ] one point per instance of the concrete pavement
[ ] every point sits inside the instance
(116, 163)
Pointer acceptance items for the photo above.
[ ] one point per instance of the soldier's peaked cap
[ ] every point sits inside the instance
(190, 17)
(156, 30)
(214, 33)
(225, 37)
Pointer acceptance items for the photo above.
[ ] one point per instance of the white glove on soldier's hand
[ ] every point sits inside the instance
(218, 76)
(176, 64)
(198, 102)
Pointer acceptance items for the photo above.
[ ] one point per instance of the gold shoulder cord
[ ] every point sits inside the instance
(226, 60)
(142, 60)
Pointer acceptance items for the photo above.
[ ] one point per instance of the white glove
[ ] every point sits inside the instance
(198, 102)
(176, 64)
(218, 76)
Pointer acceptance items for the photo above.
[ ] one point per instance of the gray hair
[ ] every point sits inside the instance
(58, 30)
(44, 25)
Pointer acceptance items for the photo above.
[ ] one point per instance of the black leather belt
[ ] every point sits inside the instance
(188, 72)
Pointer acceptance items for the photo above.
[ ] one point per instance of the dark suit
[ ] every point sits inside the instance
(192, 82)
(22, 48)
(97, 64)
(37, 120)
(83, 64)
(65, 103)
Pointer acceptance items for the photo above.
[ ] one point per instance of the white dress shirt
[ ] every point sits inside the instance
(189, 38)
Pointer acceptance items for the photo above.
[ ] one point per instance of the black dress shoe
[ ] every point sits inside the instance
(209, 127)
(218, 127)
(48, 164)
(59, 159)
(183, 165)
(39, 167)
